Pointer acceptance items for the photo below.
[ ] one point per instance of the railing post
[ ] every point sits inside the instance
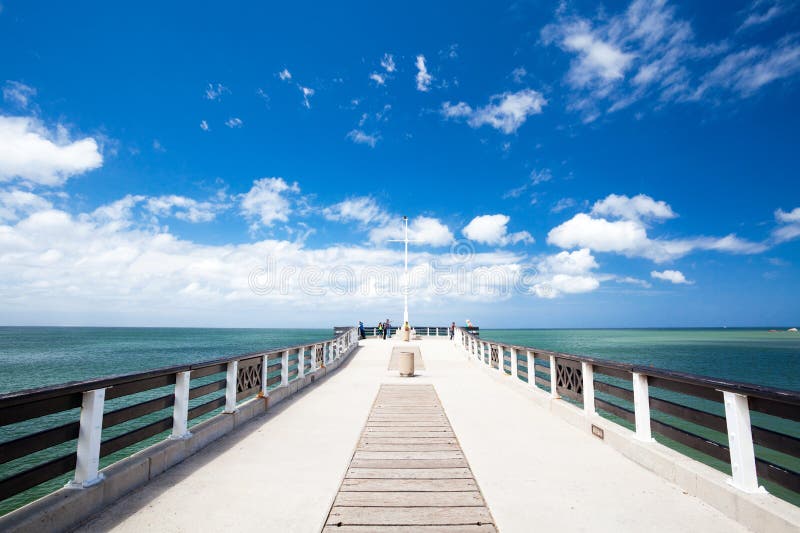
(301, 362)
(313, 358)
(285, 368)
(264, 373)
(740, 442)
(514, 362)
(553, 378)
(501, 352)
(587, 371)
(641, 406)
(231, 377)
(89, 437)
(180, 412)
(530, 362)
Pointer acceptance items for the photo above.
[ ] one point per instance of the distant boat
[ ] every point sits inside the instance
(773, 331)
(792, 329)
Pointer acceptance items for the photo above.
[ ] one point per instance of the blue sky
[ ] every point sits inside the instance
(562, 164)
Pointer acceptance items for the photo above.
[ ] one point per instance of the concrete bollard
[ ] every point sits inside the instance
(406, 364)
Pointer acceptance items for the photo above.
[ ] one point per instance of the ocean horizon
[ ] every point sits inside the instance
(36, 356)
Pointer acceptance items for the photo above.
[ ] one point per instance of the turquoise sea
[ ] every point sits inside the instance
(37, 356)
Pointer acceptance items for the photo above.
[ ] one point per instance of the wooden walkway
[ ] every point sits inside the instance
(408, 472)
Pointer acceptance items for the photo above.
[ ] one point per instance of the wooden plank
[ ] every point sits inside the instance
(380, 439)
(403, 485)
(408, 463)
(483, 528)
(409, 473)
(411, 416)
(369, 446)
(406, 423)
(442, 428)
(408, 455)
(419, 434)
(409, 499)
(409, 516)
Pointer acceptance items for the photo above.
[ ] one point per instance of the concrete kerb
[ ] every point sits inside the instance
(758, 512)
(66, 508)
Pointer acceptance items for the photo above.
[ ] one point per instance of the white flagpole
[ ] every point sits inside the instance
(405, 275)
(405, 240)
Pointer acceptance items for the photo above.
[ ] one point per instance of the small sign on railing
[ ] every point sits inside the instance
(598, 432)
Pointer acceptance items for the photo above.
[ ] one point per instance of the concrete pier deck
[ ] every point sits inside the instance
(284, 470)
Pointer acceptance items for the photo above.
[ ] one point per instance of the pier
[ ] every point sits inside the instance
(325, 437)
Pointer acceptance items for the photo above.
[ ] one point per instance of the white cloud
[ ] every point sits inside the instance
(387, 62)
(307, 94)
(518, 74)
(673, 276)
(759, 14)
(204, 125)
(629, 237)
(268, 201)
(183, 208)
(362, 209)
(493, 230)
(620, 59)
(18, 93)
(633, 281)
(15, 203)
(789, 225)
(285, 75)
(423, 78)
(106, 273)
(788, 217)
(234, 122)
(639, 207)
(360, 137)
(379, 79)
(535, 178)
(214, 91)
(425, 230)
(562, 204)
(33, 154)
(384, 226)
(565, 273)
(505, 112)
(158, 147)
(746, 71)
(598, 62)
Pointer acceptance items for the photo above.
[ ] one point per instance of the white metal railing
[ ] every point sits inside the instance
(569, 372)
(242, 380)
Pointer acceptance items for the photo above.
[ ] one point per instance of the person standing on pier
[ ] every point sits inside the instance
(452, 330)
(361, 333)
(380, 330)
(387, 329)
